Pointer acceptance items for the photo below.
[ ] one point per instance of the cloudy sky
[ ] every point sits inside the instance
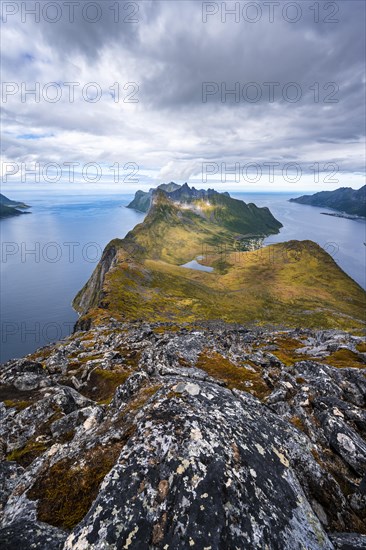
(149, 100)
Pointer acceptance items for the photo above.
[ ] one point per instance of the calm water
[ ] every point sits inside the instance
(67, 235)
(193, 264)
(48, 256)
(343, 239)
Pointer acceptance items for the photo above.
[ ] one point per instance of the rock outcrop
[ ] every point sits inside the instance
(136, 435)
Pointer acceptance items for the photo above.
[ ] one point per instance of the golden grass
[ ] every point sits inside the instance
(293, 284)
(345, 358)
(307, 293)
(232, 375)
(66, 490)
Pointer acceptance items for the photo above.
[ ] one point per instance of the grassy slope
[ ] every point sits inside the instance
(239, 217)
(287, 284)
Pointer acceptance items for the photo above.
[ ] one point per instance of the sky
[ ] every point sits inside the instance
(243, 96)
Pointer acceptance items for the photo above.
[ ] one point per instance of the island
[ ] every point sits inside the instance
(220, 408)
(10, 208)
(346, 200)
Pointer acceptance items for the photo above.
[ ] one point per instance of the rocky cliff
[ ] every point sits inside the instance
(142, 199)
(153, 436)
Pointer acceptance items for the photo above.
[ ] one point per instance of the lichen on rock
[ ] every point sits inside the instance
(137, 435)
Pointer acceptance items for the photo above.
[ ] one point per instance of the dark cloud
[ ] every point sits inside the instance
(170, 52)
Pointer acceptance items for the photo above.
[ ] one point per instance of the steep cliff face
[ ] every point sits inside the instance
(90, 295)
(143, 199)
(153, 436)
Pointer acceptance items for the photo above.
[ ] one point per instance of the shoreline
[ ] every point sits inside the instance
(346, 216)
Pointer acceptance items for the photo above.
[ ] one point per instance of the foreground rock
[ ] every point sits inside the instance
(210, 436)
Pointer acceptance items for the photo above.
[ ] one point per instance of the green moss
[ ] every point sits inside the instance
(345, 358)
(19, 405)
(131, 357)
(286, 351)
(102, 383)
(361, 347)
(174, 395)
(12, 397)
(41, 355)
(40, 441)
(32, 450)
(66, 436)
(298, 423)
(169, 328)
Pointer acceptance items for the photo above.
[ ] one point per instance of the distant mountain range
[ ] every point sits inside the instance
(11, 208)
(219, 208)
(344, 199)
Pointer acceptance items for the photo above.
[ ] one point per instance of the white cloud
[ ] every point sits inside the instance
(170, 131)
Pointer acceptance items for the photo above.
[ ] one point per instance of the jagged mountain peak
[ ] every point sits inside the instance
(143, 199)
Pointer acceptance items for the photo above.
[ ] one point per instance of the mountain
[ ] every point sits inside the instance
(11, 208)
(142, 199)
(187, 409)
(154, 436)
(181, 193)
(219, 208)
(286, 284)
(344, 199)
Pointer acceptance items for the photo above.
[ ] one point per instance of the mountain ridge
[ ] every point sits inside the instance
(344, 199)
(219, 208)
(143, 199)
(187, 409)
(286, 284)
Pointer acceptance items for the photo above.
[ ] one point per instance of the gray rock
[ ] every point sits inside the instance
(174, 456)
(10, 473)
(129, 388)
(348, 541)
(345, 441)
(208, 470)
(27, 535)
